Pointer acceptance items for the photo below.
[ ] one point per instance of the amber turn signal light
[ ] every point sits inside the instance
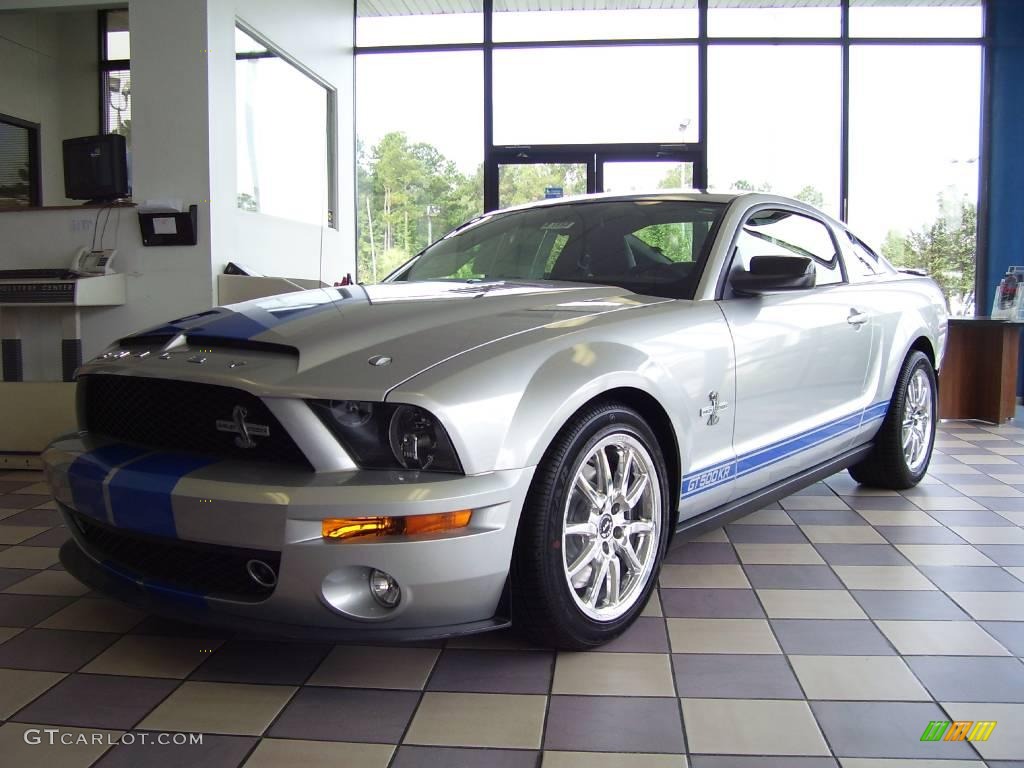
(345, 528)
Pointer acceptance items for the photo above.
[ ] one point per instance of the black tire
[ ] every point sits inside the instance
(886, 466)
(543, 606)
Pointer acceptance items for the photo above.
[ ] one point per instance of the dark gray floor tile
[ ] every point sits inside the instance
(1001, 503)
(969, 517)
(40, 517)
(970, 678)
(247, 660)
(710, 604)
(908, 604)
(726, 676)
(10, 576)
(12, 486)
(1009, 633)
(473, 671)
(918, 534)
(884, 729)
(971, 578)
(595, 723)
(897, 503)
(731, 761)
(164, 627)
(55, 650)
(21, 500)
(702, 552)
(861, 554)
(340, 714)
(826, 517)
(97, 701)
(29, 610)
(448, 757)
(792, 577)
(817, 489)
(831, 637)
(766, 534)
(1004, 554)
(215, 752)
(51, 538)
(647, 635)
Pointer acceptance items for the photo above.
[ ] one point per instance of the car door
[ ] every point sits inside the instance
(871, 291)
(800, 356)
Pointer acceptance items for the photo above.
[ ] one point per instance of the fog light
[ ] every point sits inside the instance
(384, 588)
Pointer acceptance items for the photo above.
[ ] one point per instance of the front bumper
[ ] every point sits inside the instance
(452, 583)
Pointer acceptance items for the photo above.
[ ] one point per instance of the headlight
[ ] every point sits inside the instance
(389, 435)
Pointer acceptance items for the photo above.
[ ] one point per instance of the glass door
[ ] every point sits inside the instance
(626, 175)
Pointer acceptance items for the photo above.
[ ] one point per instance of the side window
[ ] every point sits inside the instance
(865, 262)
(672, 241)
(784, 233)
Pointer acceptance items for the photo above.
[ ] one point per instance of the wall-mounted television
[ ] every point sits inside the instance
(96, 168)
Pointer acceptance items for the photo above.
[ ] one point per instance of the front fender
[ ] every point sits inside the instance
(566, 381)
(503, 403)
(503, 408)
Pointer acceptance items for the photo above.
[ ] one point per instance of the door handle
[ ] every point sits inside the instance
(856, 317)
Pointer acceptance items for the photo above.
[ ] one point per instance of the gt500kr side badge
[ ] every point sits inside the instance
(710, 412)
(244, 429)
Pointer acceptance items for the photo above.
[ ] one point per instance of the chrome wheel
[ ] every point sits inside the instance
(612, 527)
(917, 421)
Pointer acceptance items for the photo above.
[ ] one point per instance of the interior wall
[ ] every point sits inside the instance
(160, 285)
(48, 75)
(171, 155)
(317, 33)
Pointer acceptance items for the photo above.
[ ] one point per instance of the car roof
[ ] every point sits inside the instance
(676, 195)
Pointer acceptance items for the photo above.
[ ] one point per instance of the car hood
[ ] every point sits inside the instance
(319, 343)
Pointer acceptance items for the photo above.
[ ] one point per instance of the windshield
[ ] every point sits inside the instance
(656, 247)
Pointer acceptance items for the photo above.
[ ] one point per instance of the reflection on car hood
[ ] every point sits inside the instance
(333, 332)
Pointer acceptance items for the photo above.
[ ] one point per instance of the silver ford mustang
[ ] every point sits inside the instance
(510, 429)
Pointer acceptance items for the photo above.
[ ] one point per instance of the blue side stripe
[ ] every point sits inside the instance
(87, 473)
(140, 494)
(876, 411)
(783, 449)
(718, 474)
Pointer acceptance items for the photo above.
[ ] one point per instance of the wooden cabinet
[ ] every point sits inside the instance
(978, 379)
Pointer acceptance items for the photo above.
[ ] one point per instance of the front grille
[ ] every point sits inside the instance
(181, 415)
(207, 569)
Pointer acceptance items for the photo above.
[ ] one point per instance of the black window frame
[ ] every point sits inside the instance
(35, 175)
(695, 152)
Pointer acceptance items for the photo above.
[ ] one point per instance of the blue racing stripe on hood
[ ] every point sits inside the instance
(140, 494)
(87, 473)
(253, 318)
(234, 326)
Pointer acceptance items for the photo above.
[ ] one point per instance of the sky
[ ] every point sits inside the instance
(774, 111)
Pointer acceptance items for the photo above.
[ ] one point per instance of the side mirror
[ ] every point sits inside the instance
(770, 274)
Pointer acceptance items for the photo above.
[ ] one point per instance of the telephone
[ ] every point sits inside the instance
(89, 263)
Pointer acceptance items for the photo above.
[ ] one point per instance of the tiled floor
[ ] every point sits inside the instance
(827, 630)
